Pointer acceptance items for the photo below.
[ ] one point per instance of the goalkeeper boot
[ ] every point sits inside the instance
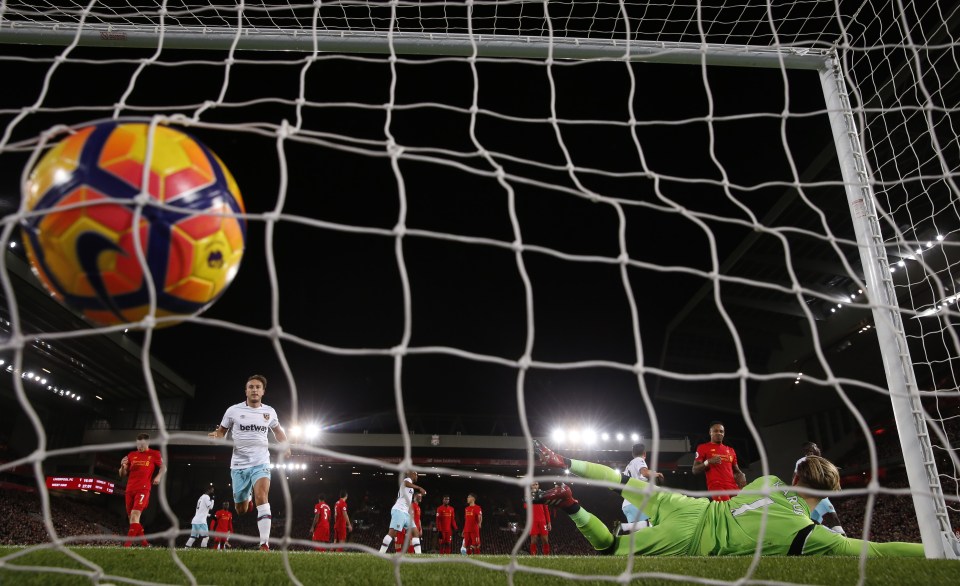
(548, 457)
(558, 496)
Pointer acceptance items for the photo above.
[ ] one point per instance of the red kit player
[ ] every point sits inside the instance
(472, 520)
(320, 529)
(446, 525)
(140, 466)
(540, 528)
(223, 523)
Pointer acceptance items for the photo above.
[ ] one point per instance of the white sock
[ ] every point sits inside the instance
(626, 528)
(386, 543)
(264, 520)
(203, 543)
(190, 542)
(415, 542)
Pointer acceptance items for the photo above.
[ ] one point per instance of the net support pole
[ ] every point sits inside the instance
(927, 493)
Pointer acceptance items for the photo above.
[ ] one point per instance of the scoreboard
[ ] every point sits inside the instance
(80, 483)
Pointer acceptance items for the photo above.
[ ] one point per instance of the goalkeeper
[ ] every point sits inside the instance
(683, 525)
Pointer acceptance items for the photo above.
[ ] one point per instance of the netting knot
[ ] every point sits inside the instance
(142, 198)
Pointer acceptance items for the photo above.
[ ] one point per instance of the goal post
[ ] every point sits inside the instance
(938, 538)
(622, 33)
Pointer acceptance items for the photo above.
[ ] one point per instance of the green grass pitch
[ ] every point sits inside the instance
(249, 568)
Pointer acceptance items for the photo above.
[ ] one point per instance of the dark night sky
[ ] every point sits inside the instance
(343, 290)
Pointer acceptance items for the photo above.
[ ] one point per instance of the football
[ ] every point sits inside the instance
(91, 218)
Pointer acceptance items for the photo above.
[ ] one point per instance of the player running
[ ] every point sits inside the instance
(249, 422)
(140, 466)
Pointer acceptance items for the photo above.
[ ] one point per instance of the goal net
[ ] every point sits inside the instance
(743, 211)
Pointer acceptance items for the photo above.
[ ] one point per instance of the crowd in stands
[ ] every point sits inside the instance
(21, 520)
(893, 517)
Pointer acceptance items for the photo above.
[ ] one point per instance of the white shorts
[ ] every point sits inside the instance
(244, 480)
(633, 514)
(399, 520)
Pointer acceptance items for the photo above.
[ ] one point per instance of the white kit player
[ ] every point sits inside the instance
(249, 422)
(400, 514)
(824, 513)
(198, 525)
(637, 468)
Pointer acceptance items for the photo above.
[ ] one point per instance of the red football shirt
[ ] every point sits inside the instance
(415, 514)
(541, 515)
(471, 517)
(341, 515)
(224, 521)
(446, 518)
(719, 476)
(323, 523)
(141, 468)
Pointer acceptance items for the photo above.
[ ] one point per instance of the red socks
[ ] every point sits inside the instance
(136, 530)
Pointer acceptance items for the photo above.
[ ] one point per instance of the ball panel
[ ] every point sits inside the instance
(194, 289)
(123, 153)
(234, 233)
(180, 260)
(56, 222)
(213, 258)
(125, 265)
(182, 183)
(113, 216)
(56, 166)
(63, 255)
(200, 226)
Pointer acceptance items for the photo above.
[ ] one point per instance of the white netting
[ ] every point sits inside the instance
(532, 209)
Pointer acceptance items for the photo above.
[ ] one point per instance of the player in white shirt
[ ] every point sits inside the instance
(637, 468)
(249, 423)
(198, 525)
(400, 513)
(824, 513)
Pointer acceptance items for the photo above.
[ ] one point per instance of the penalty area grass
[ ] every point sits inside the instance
(27, 566)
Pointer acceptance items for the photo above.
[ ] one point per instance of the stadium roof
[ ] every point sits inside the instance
(106, 365)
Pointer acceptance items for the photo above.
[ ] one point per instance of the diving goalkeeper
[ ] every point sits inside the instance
(683, 525)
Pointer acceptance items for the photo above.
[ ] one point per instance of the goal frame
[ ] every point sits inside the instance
(930, 505)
